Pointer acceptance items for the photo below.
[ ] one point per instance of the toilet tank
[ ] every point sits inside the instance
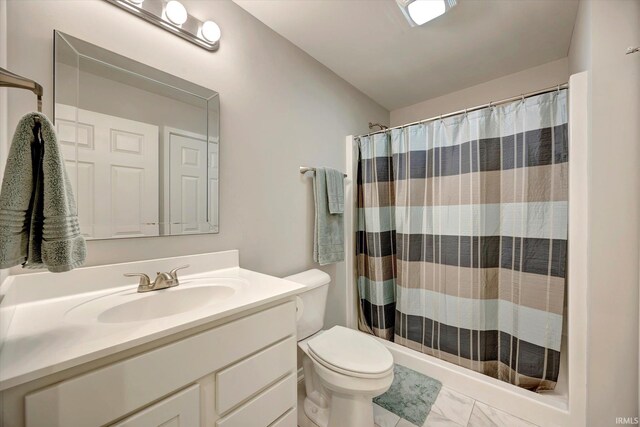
(312, 302)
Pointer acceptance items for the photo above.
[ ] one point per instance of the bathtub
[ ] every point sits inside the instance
(544, 409)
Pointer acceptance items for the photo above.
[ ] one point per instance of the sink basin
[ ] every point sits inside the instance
(162, 304)
(131, 306)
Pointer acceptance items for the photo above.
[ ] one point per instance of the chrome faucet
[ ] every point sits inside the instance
(162, 281)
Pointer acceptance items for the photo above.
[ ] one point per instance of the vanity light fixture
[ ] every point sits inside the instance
(175, 12)
(210, 31)
(419, 12)
(173, 16)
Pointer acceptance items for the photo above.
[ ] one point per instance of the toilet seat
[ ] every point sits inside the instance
(350, 353)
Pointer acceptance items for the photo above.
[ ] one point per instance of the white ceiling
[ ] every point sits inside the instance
(370, 44)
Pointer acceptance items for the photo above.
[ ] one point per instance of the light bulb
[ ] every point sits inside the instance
(210, 31)
(422, 11)
(176, 12)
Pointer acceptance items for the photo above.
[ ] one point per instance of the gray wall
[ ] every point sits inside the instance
(603, 31)
(279, 109)
(529, 80)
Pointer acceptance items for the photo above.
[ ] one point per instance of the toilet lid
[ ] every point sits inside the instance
(351, 351)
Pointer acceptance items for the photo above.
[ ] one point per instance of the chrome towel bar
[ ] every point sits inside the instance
(305, 169)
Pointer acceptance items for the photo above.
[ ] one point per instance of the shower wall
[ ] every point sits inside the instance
(603, 31)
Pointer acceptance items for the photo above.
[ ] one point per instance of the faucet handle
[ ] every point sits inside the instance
(174, 273)
(145, 282)
(163, 281)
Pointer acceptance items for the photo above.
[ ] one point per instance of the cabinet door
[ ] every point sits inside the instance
(133, 383)
(179, 410)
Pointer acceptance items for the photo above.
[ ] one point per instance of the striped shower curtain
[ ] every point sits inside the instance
(462, 238)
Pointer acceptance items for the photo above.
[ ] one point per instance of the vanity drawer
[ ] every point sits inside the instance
(287, 420)
(266, 408)
(179, 410)
(246, 378)
(103, 395)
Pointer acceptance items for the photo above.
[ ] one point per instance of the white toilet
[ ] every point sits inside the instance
(344, 369)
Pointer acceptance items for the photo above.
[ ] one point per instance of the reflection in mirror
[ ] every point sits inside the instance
(141, 146)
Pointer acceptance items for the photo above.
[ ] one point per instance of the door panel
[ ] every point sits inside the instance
(187, 182)
(113, 170)
(83, 189)
(213, 170)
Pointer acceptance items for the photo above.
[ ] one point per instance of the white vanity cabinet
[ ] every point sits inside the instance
(237, 374)
(181, 409)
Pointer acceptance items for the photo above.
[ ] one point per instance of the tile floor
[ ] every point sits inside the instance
(451, 409)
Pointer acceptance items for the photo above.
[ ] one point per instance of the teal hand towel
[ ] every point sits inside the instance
(335, 190)
(328, 242)
(38, 216)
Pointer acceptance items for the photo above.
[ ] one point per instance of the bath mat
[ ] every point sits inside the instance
(410, 396)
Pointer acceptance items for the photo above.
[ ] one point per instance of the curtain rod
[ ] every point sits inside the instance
(9, 79)
(469, 110)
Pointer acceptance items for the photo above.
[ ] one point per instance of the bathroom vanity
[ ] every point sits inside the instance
(86, 349)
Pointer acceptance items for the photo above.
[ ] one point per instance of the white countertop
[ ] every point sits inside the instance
(41, 340)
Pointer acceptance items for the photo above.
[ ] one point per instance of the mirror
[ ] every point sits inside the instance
(141, 146)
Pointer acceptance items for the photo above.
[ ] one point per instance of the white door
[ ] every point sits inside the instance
(188, 187)
(114, 172)
(214, 157)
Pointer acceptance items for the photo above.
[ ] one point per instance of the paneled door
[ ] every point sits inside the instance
(214, 162)
(191, 179)
(113, 169)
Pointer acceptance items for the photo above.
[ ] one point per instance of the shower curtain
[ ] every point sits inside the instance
(462, 238)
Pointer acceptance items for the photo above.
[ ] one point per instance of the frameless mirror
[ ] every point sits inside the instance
(141, 146)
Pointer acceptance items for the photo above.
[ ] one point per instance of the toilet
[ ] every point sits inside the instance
(344, 369)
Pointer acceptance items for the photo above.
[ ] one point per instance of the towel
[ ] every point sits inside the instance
(328, 241)
(335, 190)
(38, 216)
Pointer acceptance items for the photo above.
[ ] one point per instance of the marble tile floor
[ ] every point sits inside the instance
(451, 409)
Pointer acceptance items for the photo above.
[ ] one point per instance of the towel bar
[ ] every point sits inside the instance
(9, 79)
(305, 169)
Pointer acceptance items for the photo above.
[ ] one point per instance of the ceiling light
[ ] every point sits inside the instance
(176, 12)
(422, 11)
(210, 31)
(419, 12)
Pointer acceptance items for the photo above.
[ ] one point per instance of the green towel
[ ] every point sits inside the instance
(335, 190)
(328, 241)
(38, 216)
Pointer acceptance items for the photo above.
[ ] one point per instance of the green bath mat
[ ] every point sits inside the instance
(410, 396)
